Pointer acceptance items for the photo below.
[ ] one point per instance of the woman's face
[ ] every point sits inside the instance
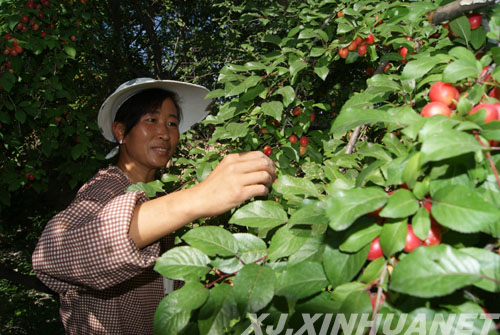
(152, 141)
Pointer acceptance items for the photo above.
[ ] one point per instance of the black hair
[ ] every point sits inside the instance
(142, 103)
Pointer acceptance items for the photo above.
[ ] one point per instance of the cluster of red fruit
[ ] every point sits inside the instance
(359, 44)
(11, 47)
(444, 97)
(303, 141)
(412, 241)
(33, 23)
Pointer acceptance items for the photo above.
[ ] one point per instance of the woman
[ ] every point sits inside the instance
(98, 253)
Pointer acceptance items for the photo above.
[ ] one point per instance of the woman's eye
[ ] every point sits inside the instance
(150, 119)
(172, 124)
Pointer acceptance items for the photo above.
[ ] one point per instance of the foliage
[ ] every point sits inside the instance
(304, 248)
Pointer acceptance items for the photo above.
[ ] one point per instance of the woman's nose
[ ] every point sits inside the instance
(164, 132)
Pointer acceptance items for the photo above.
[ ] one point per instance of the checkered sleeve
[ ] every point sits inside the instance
(87, 245)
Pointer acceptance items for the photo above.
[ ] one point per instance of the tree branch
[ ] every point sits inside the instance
(456, 8)
(28, 281)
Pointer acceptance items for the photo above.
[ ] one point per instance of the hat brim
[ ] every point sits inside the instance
(191, 100)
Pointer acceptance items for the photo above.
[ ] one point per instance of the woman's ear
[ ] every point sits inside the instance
(119, 131)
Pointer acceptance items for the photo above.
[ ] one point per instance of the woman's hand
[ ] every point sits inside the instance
(237, 178)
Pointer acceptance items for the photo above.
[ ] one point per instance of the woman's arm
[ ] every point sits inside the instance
(237, 178)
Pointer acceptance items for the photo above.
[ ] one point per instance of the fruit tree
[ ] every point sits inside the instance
(381, 208)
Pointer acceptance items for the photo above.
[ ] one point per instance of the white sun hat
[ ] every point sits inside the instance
(191, 100)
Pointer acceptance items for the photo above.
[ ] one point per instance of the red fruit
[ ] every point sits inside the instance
(434, 236)
(445, 93)
(403, 51)
(340, 14)
(18, 49)
(381, 299)
(370, 39)
(73, 38)
(41, 14)
(293, 138)
(302, 150)
(435, 108)
(304, 141)
(30, 4)
(25, 19)
(352, 46)
(369, 71)
(474, 20)
(495, 93)
(387, 67)
(35, 26)
(313, 117)
(412, 240)
(375, 250)
(428, 205)
(491, 111)
(30, 176)
(343, 53)
(296, 110)
(362, 49)
(268, 151)
(275, 122)
(19, 26)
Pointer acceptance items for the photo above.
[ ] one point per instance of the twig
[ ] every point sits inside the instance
(352, 141)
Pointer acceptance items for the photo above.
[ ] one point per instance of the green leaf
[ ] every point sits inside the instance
(466, 66)
(284, 243)
(288, 94)
(301, 280)
(461, 27)
(150, 188)
(183, 263)
(313, 213)
(341, 267)
(218, 311)
(421, 223)
(70, 51)
(260, 214)
(443, 145)
(373, 270)
(490, 268)
(359, 235)
(174, 311)
(272, 39)
(462, 209)
(356, 303)
(345, 206)
(250, 249)
(273, 109)
(7, 81)
(297, 66)
(212, 240)
(434, 271)
(289, 185)
(401, 203)
(418, 68)
(393, 237)
(253, 287)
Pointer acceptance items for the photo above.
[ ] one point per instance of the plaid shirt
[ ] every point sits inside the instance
(105, 284)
